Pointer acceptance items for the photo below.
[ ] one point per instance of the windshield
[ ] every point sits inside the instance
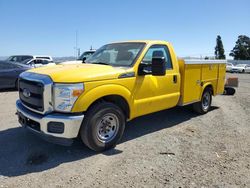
(12, 58)
(25, 61)
(117, 54)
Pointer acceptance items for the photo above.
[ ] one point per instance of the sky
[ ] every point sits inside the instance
(49, 26)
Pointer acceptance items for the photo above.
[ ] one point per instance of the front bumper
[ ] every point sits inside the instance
(55, 127)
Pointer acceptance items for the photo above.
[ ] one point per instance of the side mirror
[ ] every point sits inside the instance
(158, 64)
(84, 59)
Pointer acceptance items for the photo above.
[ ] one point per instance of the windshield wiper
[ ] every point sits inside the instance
(100, 63)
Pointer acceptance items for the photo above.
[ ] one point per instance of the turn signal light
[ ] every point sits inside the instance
(77, 92)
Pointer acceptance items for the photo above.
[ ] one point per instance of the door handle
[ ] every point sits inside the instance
(175, 79)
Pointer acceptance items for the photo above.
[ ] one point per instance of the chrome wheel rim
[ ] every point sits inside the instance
(107, 127)
(206, 101)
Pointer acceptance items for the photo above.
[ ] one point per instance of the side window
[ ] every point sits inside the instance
(149, 55)
(45, 62)
(38, 61)
(19, 59)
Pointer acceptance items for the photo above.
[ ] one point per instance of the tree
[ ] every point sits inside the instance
(219, 49)
(241, 50)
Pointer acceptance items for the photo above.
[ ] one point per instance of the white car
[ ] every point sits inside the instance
(20, 58)
(241, 68)
(229, 67)
(38, 62)
(247, 69)
(81, 59)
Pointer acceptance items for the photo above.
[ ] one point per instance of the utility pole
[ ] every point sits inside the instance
(79, 52)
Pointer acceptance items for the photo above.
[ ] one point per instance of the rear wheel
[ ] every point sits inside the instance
(243, 71)
(204, 105)
(103, 126)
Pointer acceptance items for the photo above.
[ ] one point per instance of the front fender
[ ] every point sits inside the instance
(89, 97)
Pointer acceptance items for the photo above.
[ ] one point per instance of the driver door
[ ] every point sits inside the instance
(155, 93)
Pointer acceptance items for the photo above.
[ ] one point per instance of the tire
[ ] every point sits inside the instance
(203, 106)
(229, 91)
(243, 71)
(103, 126)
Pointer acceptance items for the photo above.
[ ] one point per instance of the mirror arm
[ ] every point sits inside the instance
(142, 71)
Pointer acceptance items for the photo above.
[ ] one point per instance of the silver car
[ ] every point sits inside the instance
(229, 67)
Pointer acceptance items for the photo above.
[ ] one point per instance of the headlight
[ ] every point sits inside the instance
(65, 95)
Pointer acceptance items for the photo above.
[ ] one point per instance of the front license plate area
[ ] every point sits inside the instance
(22, 119)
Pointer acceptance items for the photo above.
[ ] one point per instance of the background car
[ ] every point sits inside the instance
(247, 69)
(9, 73)
(229, 67)
(241, 68)
(38, 62)
(20, 58)
(85, 55)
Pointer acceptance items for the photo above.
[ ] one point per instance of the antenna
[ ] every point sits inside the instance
(76, 49)
(76, 43)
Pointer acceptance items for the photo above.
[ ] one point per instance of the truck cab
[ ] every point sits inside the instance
(119, 82)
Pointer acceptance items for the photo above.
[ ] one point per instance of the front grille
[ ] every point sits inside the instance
(34, 94)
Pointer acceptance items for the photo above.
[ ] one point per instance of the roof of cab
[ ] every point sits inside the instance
(144, 41)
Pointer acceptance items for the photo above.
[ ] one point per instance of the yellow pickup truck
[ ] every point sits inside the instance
(119, 82)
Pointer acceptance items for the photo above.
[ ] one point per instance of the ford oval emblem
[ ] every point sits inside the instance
(26, 93)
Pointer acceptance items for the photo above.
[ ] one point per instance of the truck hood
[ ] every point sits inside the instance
(81, 72)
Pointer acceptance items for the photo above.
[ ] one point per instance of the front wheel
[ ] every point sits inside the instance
(203, 106)
(103, 126)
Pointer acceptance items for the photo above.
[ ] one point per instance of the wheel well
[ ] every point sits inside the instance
(118, 100)
(210, 87)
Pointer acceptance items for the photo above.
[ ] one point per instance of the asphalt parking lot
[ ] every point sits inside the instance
(172, 148)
